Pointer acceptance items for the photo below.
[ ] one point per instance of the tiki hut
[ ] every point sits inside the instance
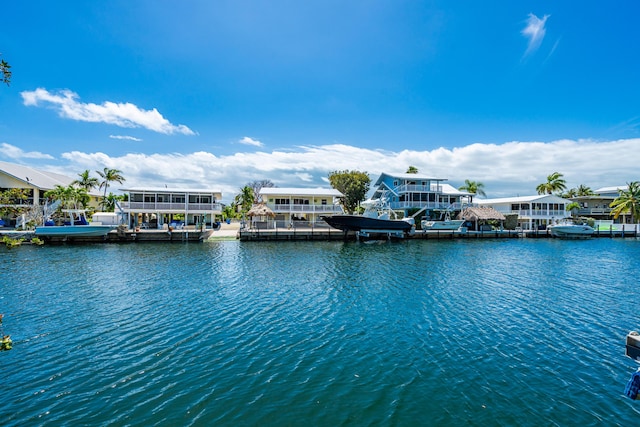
(261, 215)
(480, 216)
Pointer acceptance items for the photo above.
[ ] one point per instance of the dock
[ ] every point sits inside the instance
(328, 234)
(118, 236)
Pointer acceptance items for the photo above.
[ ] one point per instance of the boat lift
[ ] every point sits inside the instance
(632, 350)
(398, 234)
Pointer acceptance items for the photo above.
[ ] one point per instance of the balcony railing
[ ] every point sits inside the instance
(299, 208)
(428, 205)
(165, 207)
(410, 188)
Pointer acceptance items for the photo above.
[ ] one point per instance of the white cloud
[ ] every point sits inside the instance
(508, 169)
(535, 32)
(250, 141)
(13, 152)
(125, 115)
(125, 137)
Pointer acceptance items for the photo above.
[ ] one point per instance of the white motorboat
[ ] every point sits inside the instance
(569, 230)
(446, 223)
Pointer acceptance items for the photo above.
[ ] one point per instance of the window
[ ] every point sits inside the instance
(198, 198)
(324, 202)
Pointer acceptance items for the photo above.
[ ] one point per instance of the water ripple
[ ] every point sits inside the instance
(518, 332)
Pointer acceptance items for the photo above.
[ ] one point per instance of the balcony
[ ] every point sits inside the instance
(410, 188)
(409, 204)
(168, 207)
(295, 208)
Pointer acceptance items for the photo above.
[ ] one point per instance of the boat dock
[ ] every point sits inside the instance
(277, 234)
(118, 236)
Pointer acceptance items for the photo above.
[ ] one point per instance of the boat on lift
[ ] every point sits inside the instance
(377, 217)
(75, 223)
(445, 223)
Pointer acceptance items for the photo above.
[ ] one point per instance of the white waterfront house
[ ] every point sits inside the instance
(160, 207)
(301, 207)
(534, 212)
(410, 191)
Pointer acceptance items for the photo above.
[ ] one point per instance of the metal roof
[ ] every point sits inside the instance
(40, 179)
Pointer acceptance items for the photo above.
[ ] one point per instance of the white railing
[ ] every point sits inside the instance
(411, 188)
(428, 205)
(162, 206)
(304, 208)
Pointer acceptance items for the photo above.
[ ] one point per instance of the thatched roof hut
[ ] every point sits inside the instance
(261, 216)
(481, 215)
(260, 209)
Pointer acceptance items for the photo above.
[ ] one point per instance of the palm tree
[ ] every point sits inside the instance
(583, 190)
(412, 169)
(627, 202)
(245, 198)
(109, 175)
(69, 196)
(110, 203)
(473, 187)
(573, 207)
(554, 183)
(87, 182)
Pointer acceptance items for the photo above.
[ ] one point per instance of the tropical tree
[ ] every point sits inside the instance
(584, 190)
(108, 176)
(11, 201)
(245, 199)
(229, 211)
(473, 187)
(86, 181)
(5, 70)
(110, 202)
(69, 197)
(573, 208)
(412, 169)
(354, 186)
(256, 186)
(555, 183)
(628, 201)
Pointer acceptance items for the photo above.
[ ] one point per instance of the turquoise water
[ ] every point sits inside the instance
(523, 332)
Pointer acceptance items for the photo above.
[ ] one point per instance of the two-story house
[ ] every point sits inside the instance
(301, 206)
(534, 212)
(410, 192)
(159, 207)
(597, 206)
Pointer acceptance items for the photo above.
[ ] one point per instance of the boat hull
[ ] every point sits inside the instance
(571, 231)
(71, 231)
(359, 223)
(442, 225)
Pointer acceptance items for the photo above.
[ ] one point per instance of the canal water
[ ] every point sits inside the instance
(509, 332)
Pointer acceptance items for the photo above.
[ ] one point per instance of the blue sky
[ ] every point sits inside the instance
(217, 94)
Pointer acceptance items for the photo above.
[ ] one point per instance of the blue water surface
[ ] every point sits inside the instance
(509, 332)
